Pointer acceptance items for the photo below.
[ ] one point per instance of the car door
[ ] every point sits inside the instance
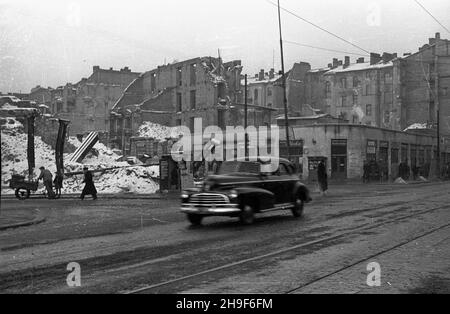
(286, 183)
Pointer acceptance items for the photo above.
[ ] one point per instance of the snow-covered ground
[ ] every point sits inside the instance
(136, 179)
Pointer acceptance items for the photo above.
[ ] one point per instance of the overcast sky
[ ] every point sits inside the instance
(50, 43)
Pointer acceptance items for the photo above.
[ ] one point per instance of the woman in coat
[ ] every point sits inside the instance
(322, 177)
(89, 187)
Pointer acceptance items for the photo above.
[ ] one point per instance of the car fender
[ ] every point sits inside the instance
(303, 191)
(258, 197)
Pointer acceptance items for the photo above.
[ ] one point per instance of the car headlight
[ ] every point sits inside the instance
(184, 195)
(233, 194)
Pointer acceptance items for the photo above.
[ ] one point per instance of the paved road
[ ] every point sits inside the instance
(146, 246)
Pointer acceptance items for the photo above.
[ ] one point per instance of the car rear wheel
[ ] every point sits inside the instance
(22, 193)
(247, 216)
(297, 210)
(195, 220)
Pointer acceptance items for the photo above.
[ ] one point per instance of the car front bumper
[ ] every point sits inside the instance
(210, 210)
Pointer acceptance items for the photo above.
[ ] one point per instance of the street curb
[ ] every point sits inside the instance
(23, 224)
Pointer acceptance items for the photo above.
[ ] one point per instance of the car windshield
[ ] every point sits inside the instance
(239, 166)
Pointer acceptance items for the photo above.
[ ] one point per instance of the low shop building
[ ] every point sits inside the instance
(345, 148)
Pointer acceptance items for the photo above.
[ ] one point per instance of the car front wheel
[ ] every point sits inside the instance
(297, 210)
(195, 220)
(247, 216)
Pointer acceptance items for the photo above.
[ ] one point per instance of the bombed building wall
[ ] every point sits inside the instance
(87, 104)
(176, 94)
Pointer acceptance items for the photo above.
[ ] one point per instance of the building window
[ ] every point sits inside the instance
(369, 110)
(255, 96)
(355, 99)
(355, 120)
(178, 122)
(193, 74)
(269, 91)
(387, 76)
(328, 89)
(343, 101)
(179, 77)
(179, 103)
(387, 117)
(153, 82)
(344, 82)
(368, 89)
(355, 81)
(193, 99)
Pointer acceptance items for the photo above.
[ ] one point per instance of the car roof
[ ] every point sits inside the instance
(258, 159)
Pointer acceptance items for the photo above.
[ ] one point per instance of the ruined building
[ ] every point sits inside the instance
(176, 94)
(87, 104)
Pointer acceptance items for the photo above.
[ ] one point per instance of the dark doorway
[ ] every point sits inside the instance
(338, 159)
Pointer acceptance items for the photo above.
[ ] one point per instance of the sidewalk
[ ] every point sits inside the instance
(19, 218)
(103, 196)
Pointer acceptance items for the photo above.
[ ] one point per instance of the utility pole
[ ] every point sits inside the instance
(438, 114)
(246, 117)
(283, 79)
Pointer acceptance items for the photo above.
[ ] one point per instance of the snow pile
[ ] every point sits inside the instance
(400, 181)
(136, 180)
(159, 132)
(139, 180)
(99, 155)
(417, 126)
(14, 151)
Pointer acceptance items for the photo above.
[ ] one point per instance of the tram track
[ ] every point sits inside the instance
(296, 247)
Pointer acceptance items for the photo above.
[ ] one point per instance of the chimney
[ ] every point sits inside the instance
(330, 65)
(388, 56)
(272, 73)
(360, 60)
(340, 62)
(335, 63)
(374, 58)
(438, 36)
(261, 75)
(96, 68)
(347, 62)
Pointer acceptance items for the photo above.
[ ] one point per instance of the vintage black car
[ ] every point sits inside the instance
(242, 188)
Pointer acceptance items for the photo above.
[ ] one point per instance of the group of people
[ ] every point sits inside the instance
(47, 178)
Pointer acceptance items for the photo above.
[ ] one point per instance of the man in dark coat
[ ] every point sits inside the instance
(46, 176)
(366, 171)
(322, 177)
(89, 188)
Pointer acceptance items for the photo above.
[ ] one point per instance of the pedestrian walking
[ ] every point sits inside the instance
(322, 177)
(58, 182)
(46, 177)
(89, 187)
(366, 171)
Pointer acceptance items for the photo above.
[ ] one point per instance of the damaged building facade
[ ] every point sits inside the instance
(176, 94)
(86, 104)
(265, 90)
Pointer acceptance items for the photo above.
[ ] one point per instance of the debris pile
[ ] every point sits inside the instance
(140, 180)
